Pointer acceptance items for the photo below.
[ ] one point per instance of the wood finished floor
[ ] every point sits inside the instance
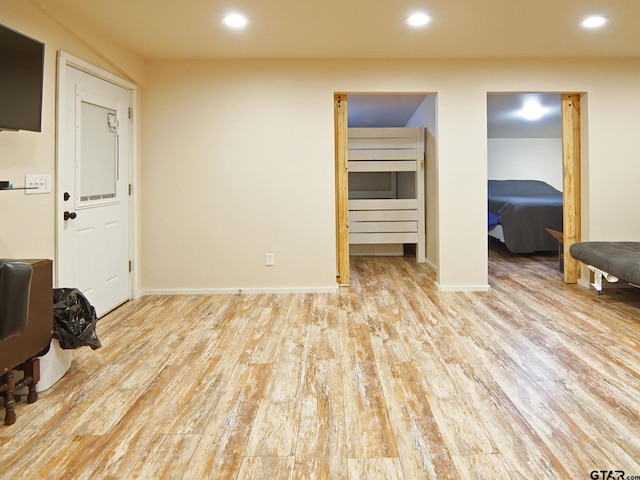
(387, 380)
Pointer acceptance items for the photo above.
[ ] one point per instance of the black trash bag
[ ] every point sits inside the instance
(74, 319)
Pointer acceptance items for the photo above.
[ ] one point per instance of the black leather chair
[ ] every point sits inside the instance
(15, 288)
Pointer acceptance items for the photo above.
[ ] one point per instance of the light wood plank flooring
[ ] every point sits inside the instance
(387, 380)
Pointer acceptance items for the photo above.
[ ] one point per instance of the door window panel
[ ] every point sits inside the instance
(98, 152)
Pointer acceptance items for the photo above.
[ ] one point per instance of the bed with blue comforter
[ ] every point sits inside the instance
(524, 209)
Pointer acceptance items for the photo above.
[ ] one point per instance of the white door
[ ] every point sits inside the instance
(93, 189)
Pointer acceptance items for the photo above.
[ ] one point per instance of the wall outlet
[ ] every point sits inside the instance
(37, 184)
(270, 259)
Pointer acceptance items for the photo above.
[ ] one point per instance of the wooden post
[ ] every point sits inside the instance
(571, 182)
(342, 189)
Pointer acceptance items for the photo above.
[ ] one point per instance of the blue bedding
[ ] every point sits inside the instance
(494, 220)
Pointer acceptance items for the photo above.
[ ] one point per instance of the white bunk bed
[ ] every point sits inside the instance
(383, 219)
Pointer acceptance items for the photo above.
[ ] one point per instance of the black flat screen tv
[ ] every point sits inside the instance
(21, 76)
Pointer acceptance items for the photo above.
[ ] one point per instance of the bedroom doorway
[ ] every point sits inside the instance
(387, 114)
(534, 139)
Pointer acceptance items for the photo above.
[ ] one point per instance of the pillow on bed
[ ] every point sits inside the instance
(494, 220)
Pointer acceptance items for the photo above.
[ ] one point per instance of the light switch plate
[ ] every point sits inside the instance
(37, 184)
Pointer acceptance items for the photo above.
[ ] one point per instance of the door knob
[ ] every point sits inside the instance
(69, 215)
(66, 196)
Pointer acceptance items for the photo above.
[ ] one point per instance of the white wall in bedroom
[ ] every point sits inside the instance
(426, 116)
(525, 159)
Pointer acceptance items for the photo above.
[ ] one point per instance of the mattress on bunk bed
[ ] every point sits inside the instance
(621, 259)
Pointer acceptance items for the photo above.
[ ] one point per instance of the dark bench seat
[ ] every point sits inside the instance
(612, 261)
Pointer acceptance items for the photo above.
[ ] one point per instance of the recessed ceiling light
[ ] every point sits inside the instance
(235, 20)
(418, 20)
(595, 21)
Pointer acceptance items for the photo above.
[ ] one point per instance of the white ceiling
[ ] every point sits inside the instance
(503, 121)
(348, 29)
(365, 29)
(383, 110)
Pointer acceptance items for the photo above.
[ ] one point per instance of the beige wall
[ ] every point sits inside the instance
(238, 161)
(237, 158)
(27, 221)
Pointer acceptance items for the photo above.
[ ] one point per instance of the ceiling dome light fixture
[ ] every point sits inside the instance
(532, 110)
(595, 21)
(235, 20)
(418, 20)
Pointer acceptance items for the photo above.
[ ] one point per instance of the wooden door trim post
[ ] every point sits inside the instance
(342, 189)
(571, 183)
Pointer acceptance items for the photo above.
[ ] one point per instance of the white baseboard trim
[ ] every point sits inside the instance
(462, 288)
(431, 265)
(239, 291)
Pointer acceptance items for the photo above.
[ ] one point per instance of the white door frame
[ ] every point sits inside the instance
(65, 60)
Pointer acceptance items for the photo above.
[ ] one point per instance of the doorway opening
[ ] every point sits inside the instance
(379, 170)
(533, 171)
